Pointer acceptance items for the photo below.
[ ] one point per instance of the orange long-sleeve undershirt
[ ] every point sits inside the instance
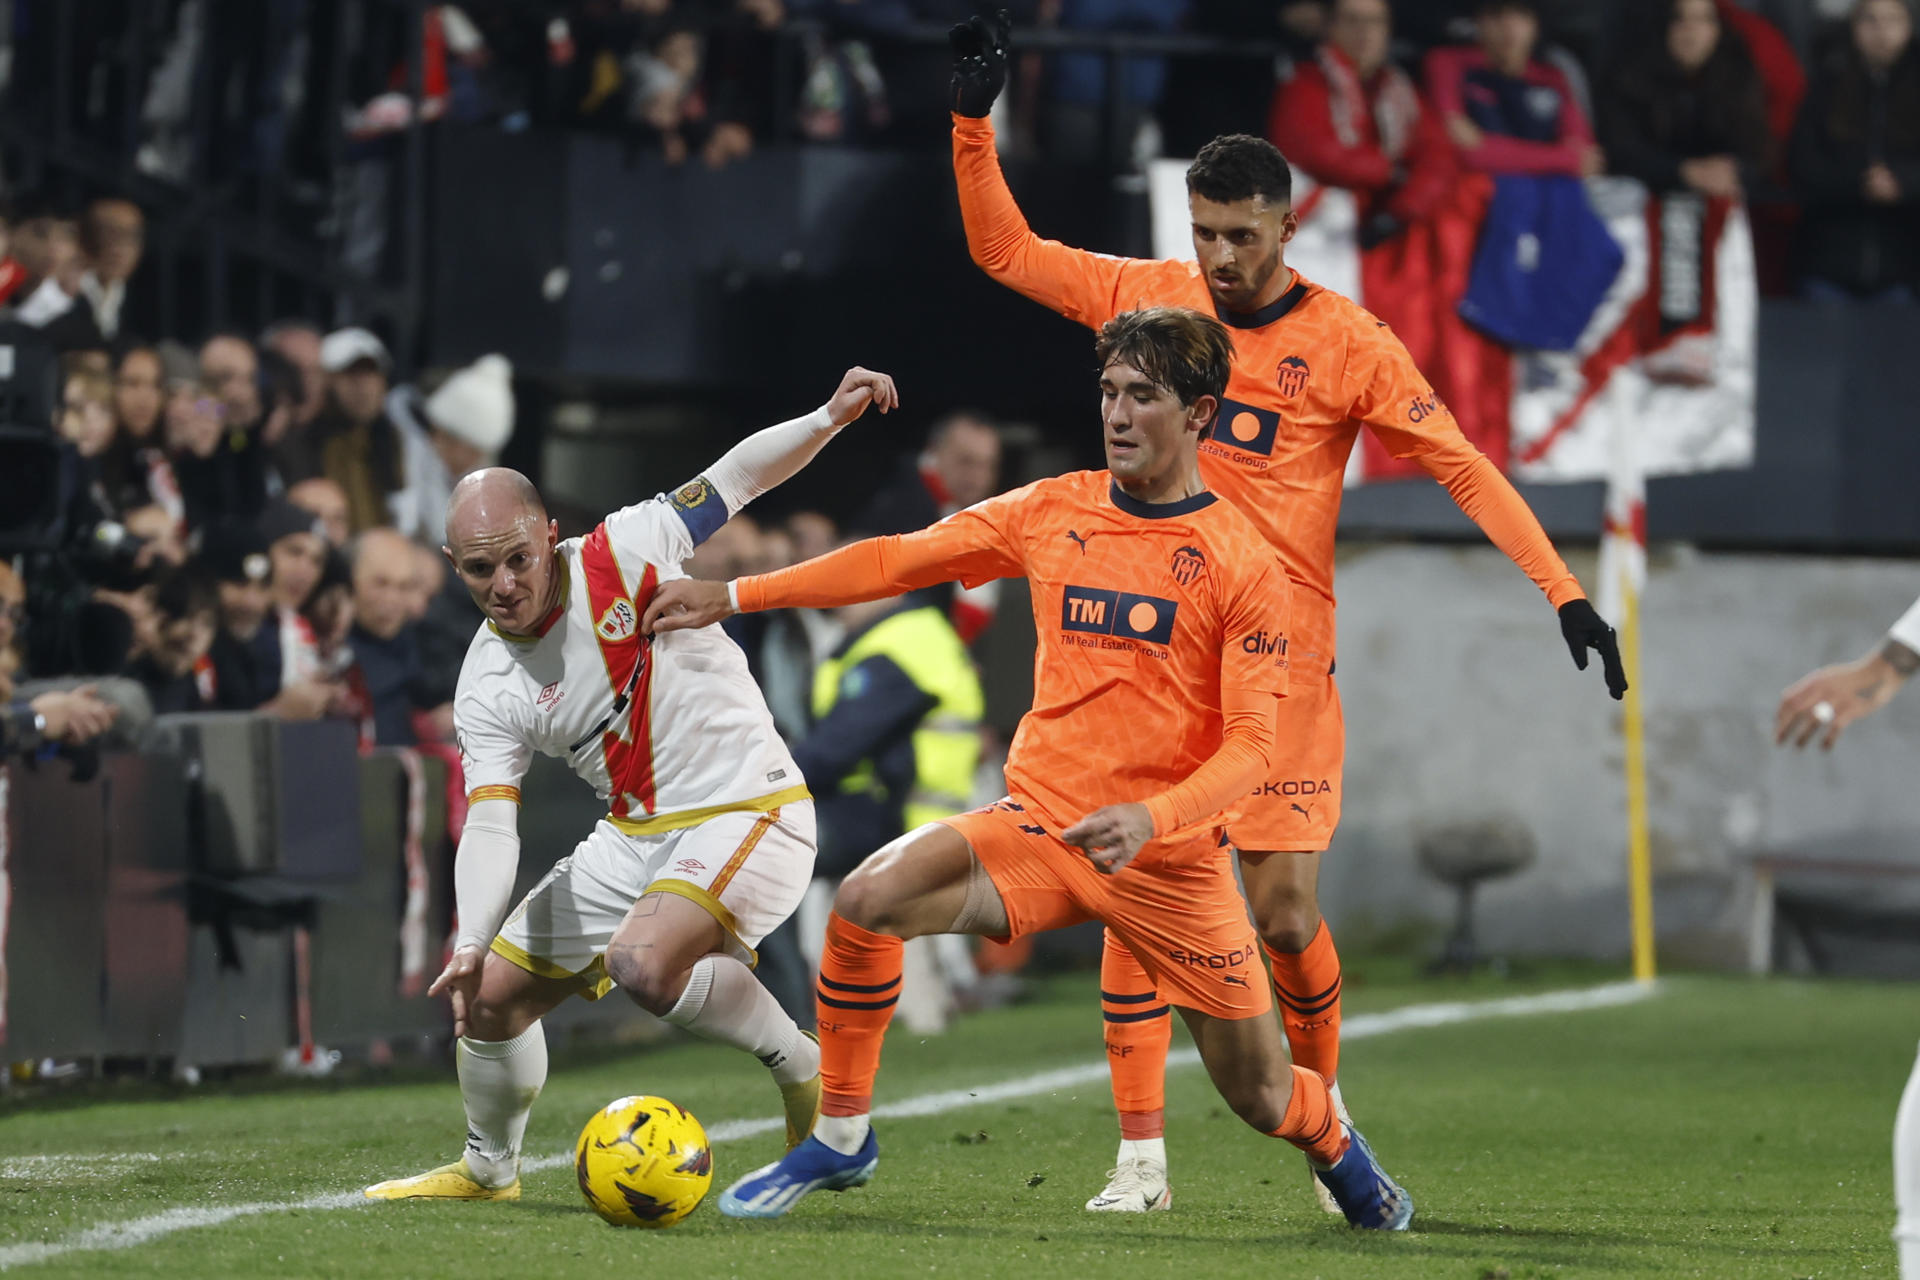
(1240, 765)
(1490, 501)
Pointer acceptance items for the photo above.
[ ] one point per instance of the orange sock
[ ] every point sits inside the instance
(1310, 1122)
(1139, 1029)
(1307, 985)
(859, 985)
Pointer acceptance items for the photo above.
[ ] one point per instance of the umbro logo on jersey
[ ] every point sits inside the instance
(618, 622)
(549, 697)
(1293, 374)
(1188, 563)
(1117, 613)
(687, 866)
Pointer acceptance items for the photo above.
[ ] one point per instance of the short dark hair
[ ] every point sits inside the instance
(1178, 348)
(1239, 166)
(186, 592)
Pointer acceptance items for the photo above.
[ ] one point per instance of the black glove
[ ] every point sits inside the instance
(1379, 229)
(979, 61)
(1584, 629)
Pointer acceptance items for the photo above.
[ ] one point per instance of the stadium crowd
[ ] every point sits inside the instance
(1806, 107)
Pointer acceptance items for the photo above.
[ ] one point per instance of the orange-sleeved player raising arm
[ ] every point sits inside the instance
(1310, 370)
(1163, 650)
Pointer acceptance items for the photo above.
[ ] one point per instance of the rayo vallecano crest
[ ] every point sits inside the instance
(617, 623)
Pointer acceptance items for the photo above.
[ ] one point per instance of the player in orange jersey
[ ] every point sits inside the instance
(1163, 651)
(1310, 369)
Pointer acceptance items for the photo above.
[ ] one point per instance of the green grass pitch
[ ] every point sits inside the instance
(1724, 1128)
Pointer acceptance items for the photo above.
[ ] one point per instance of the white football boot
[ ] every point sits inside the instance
(1134, 1186)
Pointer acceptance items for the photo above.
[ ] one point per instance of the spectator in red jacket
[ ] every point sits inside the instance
(1506, 111)
(1352, 119)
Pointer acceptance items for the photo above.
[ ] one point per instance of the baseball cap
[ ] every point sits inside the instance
(344, 348)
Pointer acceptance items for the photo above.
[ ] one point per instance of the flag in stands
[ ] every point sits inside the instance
(1668, 354)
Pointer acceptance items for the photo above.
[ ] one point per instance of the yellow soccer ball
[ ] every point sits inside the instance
(643, 1162)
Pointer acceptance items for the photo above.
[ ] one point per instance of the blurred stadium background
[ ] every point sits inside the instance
(278, 262)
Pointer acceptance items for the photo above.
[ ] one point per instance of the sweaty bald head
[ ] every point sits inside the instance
(489, 498)
(502, 545)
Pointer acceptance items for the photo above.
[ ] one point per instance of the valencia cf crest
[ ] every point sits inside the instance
(617, 623)
(1293, 376)
(1188, 564)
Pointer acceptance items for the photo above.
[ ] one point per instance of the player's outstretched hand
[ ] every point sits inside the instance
(461, 981)
(684, 603)
(979, 60)
(860, 388)
(1584, 629)
(1112, 835)
(1833, 698)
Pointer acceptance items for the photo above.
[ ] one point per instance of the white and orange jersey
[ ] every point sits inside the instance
(670, 731)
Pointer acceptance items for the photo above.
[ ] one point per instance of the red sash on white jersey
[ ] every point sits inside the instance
(628, 740)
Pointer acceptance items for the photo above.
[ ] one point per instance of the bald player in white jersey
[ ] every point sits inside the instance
(1822, 704)
(708, 842)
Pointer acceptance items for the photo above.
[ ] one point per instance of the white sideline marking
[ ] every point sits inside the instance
(73, 1165)
(126, 1235)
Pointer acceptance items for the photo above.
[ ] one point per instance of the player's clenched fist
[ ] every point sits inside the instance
(685, 603)
(860, 388)
(461, 981)
(1112, 835)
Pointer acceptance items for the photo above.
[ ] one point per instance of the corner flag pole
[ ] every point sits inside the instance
(1639, 847)
(1623, 577)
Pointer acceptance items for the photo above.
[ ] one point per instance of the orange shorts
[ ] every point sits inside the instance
(1298, 806)
(1181, 915)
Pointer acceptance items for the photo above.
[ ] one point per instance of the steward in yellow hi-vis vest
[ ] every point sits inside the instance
(896, 733)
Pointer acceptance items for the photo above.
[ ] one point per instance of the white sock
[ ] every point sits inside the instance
(845, 1134)
(498, 1082)
(1906, 1176)
(1152, 1150)
(725, 1002)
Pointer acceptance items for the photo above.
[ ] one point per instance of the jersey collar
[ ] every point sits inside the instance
(545, 624)
(1159, 510)
(1267, 314)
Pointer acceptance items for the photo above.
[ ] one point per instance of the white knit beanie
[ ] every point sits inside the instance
(476, 404)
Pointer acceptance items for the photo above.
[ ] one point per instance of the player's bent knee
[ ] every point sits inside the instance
(1290, 929)
(652, 985)
(863, 899)
(494, 1021)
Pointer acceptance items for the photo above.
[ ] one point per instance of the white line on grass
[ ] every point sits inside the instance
(126, 1235)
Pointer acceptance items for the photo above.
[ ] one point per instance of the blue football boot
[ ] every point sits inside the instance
(1364, 1192)
(812, 1166)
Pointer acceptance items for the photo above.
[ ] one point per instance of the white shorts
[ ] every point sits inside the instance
(748, 869)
